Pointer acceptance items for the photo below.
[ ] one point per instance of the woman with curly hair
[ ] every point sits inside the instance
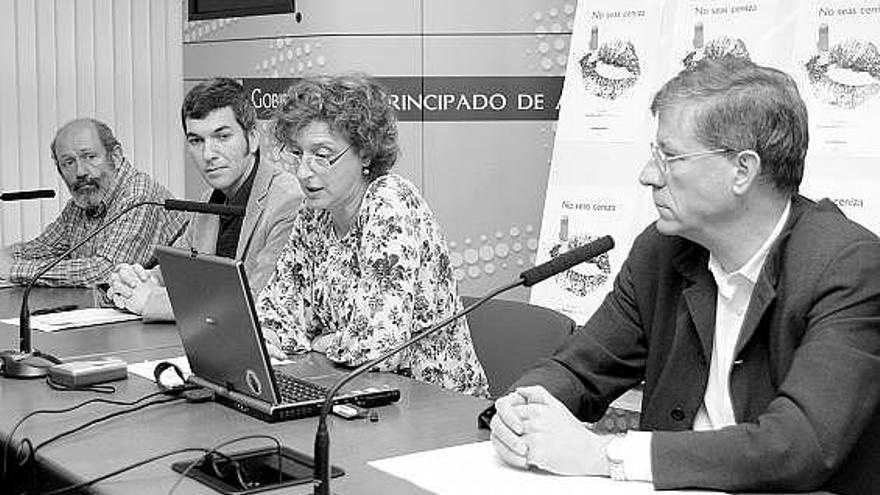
(366, 266)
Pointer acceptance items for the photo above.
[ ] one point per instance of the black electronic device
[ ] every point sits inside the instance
(528, 278)
(223, 342)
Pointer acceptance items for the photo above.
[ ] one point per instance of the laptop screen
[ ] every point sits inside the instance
(217, 322)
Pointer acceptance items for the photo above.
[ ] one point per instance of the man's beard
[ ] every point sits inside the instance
(89, 194)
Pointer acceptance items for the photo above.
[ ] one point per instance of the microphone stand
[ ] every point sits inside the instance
(26, 363)
(322, 436)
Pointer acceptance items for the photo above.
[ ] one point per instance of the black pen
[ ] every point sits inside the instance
(54, 309)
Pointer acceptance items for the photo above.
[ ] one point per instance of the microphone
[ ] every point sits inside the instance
(26, 363)
(528, 278)
(32, 194)
(567, 260)
(209, 208)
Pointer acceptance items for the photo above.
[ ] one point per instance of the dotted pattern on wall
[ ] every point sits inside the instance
(198, 30)
(472, 259)
(552, 32)
(289, 57)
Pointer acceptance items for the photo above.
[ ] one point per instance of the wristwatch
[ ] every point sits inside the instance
(614, 455)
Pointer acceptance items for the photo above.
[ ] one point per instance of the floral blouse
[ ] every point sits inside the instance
(387, 278)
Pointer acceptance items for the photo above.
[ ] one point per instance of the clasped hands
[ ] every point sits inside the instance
(130, 287)
(532, 428)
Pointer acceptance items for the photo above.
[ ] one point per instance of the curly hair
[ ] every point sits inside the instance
(354, 106)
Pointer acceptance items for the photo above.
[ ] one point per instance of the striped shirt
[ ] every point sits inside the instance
(129, 240)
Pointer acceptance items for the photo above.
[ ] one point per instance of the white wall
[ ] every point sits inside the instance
(117, 60)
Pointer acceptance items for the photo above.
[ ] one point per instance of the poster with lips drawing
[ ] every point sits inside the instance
(612, 48)
(837, 67)
(716, 28)
(575, 216)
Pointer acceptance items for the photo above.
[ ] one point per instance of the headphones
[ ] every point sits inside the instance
(170, 388)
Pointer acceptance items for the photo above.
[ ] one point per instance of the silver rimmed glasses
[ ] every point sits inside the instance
(294, 159)
(662, 160)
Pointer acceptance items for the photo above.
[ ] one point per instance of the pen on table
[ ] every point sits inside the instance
(54, 309)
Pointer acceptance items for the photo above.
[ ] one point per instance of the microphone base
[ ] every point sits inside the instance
(25, 365)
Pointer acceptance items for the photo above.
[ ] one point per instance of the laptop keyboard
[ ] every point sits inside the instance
(302, 399)
(294, 390)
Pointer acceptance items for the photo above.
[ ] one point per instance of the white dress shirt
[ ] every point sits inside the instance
(734, 294)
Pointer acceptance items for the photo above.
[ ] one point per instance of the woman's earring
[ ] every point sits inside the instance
(365, 171)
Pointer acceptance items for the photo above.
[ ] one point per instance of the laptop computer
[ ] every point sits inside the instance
(222, 340)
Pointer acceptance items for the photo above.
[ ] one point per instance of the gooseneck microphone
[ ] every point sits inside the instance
(32, 194)
(527, 278)
(567, 260)
(26, 363)
(209, 208)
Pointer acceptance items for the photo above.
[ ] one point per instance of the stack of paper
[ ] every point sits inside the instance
(76, 318)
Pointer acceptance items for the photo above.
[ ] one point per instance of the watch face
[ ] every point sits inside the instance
(614, 454)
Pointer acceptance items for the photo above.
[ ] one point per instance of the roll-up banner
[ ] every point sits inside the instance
(622, 51)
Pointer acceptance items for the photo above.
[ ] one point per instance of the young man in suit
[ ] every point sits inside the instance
(224, 143)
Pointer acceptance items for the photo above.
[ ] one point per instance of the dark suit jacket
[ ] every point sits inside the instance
(805, 385)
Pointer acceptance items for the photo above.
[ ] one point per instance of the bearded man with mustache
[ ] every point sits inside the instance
(102, 183)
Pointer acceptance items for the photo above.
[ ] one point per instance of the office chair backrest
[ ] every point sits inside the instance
(510, 336)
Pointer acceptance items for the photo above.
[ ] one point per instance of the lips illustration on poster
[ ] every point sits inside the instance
(608, 71)
(715, 48)
(846, 75)
(583, 278)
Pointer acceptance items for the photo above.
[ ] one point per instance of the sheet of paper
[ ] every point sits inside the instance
(145, 368)
(475, 469)
(76, 318)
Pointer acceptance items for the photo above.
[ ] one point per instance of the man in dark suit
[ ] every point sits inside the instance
(751, 313)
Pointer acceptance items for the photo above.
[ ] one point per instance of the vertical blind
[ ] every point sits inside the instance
(120, 61)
